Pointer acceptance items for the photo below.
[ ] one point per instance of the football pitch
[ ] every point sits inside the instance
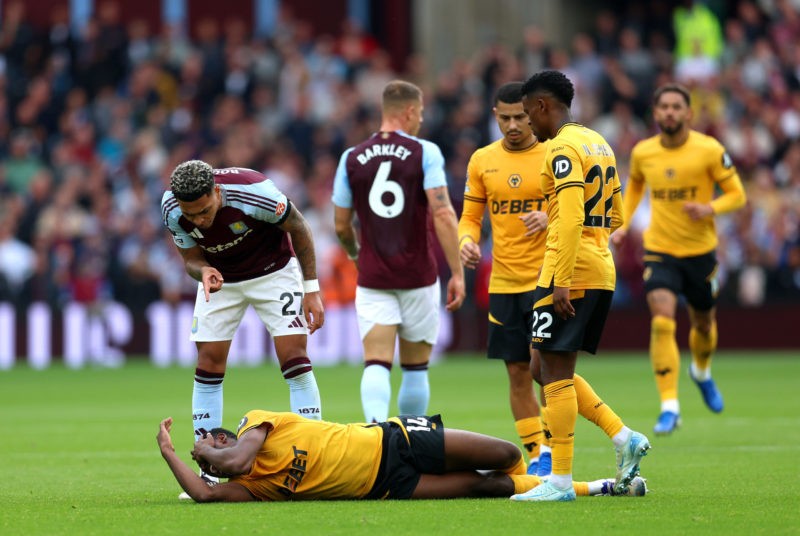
(80, 455)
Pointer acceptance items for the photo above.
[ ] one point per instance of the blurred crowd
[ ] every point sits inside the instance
(93, 122)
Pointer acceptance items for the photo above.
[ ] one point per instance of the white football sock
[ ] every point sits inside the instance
(415, 392)
(304, 395)
(671, 405)
(376, 391)
(206, 402)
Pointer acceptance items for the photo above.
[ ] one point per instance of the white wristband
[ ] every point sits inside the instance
(311, 285)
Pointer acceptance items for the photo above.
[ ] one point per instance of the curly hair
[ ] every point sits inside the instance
(215, 431)
(191, 180)
(553, 82)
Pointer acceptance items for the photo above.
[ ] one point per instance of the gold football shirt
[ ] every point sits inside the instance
(307, 459)
(674, 176)
(579, 179)
(508, 183)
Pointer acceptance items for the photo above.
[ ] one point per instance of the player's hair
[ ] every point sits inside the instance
(191, 180)
(216, 431)
(398, 93)
(672, 88)
(554, 83)
(510, 93)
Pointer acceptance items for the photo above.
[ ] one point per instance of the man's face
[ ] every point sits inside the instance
(513, 123)
(202, 211)
(671, 113)
(534, 107)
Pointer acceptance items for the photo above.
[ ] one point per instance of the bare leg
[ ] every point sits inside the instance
(523, 401)
(463, 484)
(212, 356)
(469, 451)
(288, 347)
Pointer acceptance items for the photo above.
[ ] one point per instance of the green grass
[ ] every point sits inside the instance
(80, 455)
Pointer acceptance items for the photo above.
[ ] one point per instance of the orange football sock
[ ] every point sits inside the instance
(562, 412)
(523, 483)
(665, 357)
(530, 434)
(703, 346)
(581, 488)
(592, 407)
(519, 468)
(545, 429)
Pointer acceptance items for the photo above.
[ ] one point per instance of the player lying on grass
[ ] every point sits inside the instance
(282, 456)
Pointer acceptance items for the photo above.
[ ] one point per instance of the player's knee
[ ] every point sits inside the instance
(536, 371)
(509, 453)
(210, 360)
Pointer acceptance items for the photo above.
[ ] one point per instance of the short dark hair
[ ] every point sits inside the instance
(672, 88)
(553, 82)
(510, 93)
(399, 92)
(216, 431)
(191, 180)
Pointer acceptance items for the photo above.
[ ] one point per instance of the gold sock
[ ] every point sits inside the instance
(581, 488)
(519, 468)
(523, 483)
(530, 434)
(703, 346)
(562, 412)
(592, 407)
(665, 357)
(545, 429)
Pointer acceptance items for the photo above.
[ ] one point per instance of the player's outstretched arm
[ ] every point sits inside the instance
(446, 226)
(303, 245)
(190, 481)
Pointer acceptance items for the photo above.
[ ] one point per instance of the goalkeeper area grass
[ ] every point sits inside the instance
(80, 454)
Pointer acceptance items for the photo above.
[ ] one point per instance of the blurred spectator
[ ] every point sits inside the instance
(90, 119)
(17, 263)
(698, 42)
(22, 163)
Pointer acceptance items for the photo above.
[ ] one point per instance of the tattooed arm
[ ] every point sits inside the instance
(446, 225)
(303, 245)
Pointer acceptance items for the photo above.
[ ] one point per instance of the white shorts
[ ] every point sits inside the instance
(277, 299)
(414, 311)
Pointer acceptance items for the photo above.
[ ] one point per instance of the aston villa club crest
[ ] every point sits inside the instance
(238, 227)
(514, 180)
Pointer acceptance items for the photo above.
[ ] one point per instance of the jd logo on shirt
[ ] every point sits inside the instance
(561, 167)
